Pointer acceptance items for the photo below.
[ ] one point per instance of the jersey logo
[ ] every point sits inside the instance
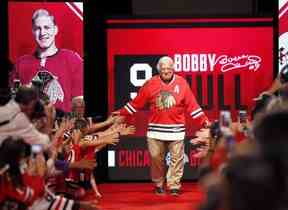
(165, 100)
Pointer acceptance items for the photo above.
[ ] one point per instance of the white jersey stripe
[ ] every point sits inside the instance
(196, 111)
(55, 202)
(166, 125)
(70, 205)
(63, 201)
(168, 129)
(131, 107)
(166, 136)
(197, 115)
(127, 108)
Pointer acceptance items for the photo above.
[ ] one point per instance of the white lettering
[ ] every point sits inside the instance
(177, 63)
(211, 60)
(203, 62)
(186, 62)
(208, 62)
(194, 62)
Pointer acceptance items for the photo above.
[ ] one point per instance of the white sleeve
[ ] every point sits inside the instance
(25, 129)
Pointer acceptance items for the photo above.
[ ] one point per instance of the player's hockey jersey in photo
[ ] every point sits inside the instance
(167, 104)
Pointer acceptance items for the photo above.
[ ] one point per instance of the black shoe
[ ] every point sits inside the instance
(159, 191)
(175, 192)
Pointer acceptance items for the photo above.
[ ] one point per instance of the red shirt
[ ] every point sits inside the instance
(168, 104)
(62, 74)
(33, 189)
(73, 155)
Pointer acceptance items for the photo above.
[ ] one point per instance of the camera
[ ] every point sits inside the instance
(242, 116)
(36, 148)
(225, 119)
(215, 131)
(15, 87)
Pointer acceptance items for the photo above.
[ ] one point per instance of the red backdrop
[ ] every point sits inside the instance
(21, 41)
(227, 63)
(241, 55)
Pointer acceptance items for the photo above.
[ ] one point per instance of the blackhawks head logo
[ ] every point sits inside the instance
(165, 100)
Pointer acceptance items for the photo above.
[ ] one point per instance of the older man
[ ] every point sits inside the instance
(169, 97)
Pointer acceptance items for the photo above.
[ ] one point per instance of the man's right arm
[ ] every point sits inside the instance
(137, 103)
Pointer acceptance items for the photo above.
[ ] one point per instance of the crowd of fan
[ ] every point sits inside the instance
(250, 174)
(47, 157)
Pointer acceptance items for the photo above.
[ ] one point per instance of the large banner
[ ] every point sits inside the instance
(283, 34)
(227, 63)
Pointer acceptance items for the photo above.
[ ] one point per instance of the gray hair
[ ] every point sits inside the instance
(164, 59)
(76, 99)
(42, 12)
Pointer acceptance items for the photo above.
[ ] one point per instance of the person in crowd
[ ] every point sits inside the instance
(22, 180)
(80, 145)
(250, 182)
(277, 85)
(261, 158)
(78, 112)
(16, 115)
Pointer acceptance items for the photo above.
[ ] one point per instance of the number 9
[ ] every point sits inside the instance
(134, 69)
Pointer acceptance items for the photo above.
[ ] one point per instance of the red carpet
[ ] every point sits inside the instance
(134, 196)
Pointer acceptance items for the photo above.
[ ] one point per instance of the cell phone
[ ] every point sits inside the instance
(242, 116)
(230, 143)
(36, 148)
(225, 118)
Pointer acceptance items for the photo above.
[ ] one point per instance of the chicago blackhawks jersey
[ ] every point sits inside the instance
(61, 75)
(73, 155)
(168, 104)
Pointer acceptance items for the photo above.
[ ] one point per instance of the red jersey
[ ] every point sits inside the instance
(73, 155)
(61, 74)
(90, 151)
(33, 189)
(168, 104)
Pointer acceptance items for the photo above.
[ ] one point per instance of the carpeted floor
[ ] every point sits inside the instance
(136, 196)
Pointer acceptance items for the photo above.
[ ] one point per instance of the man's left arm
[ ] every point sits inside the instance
(193, 108)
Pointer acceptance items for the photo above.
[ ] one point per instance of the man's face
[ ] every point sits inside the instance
(166, 71)
(79, 108)
(44, 32)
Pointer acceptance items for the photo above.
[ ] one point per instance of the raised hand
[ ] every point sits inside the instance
(111, 139)
(127, 130)
(118, 119)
